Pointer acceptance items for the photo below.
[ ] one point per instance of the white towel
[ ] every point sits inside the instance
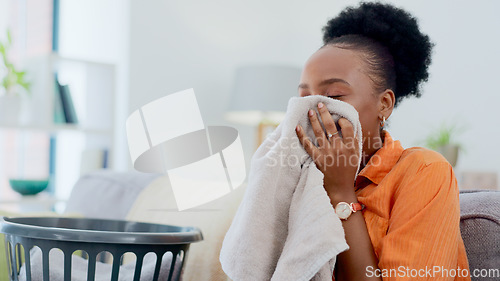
(286, 228)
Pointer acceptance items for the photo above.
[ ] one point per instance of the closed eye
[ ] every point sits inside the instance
(335, 97)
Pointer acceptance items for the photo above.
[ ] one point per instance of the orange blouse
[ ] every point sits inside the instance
(412, 214)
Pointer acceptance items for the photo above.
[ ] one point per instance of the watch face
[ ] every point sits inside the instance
(343, 210)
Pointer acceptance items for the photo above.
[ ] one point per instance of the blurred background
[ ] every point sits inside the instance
(88, 64)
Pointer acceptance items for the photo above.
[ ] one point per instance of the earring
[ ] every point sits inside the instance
(382, 123)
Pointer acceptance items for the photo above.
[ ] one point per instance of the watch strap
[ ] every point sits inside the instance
(356, 207)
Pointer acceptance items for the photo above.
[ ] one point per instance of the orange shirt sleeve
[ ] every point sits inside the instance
(423, 229)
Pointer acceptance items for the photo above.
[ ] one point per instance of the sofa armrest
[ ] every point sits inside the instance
(480, 228)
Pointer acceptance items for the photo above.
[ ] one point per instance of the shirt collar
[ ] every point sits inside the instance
(381, 163)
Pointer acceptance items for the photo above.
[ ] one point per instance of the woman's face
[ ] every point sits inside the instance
(341, 74)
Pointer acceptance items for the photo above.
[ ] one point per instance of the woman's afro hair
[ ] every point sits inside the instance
(395, 29)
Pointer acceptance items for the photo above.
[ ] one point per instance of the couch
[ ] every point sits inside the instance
(480, 228)
(479, 218)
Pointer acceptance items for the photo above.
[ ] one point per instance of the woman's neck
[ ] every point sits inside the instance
(373, 144)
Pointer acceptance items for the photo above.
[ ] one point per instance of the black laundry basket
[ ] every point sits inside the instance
(94, 236)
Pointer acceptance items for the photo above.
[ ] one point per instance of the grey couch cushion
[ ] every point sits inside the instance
(480, 228)
(107, 194)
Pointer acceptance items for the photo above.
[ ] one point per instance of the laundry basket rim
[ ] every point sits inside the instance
(24, 226)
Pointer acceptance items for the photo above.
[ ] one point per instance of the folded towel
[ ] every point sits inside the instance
(286, 228)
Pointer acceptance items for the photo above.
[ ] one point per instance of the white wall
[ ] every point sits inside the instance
(4, 17)
(176, 45)
(182, 44)
(91, 29)
(462, 87)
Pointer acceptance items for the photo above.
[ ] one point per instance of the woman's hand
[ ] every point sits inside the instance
(337, 157)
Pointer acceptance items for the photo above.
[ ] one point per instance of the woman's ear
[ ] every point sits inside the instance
(387, 101)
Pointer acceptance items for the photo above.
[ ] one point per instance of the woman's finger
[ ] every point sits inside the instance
(347, 130)
(317, 129)
(310, 148)
(328, 122)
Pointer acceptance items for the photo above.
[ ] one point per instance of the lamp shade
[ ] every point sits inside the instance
(261, 93)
